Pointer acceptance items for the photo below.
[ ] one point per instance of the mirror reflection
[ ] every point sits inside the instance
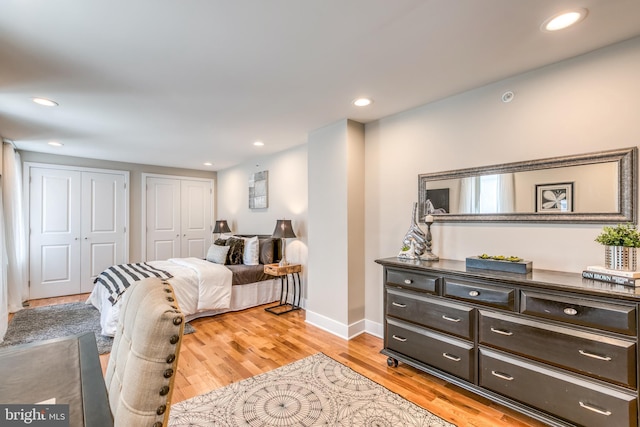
(595, 187)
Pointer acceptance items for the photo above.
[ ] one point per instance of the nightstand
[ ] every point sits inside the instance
(283, 273)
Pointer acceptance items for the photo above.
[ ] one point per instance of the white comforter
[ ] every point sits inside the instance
(199, 285)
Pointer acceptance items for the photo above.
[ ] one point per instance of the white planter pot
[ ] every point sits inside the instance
(621, 258)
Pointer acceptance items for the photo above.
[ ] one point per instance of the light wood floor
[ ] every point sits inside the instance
(233, 346)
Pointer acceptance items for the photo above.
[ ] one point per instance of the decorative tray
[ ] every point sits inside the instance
(520, 266)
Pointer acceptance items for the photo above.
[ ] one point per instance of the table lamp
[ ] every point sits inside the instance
(283, 231)
(221, 227)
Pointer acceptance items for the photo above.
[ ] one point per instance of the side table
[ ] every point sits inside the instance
(283, 272)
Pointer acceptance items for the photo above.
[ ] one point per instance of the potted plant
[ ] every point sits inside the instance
(620, 243)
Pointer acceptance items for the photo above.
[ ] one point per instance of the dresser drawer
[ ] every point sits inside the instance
(596, 355)
(485, 294)
(607, 316)
(446, 353)
(412, 280)
(433, 313)
(576, 399)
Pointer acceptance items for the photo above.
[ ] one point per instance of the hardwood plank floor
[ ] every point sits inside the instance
(233, 346)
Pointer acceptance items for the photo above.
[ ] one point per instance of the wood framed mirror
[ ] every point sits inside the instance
(586, 188)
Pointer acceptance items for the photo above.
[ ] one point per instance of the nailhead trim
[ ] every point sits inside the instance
(174, 339)
(164, 390)
(161, 409)
(171, 358)
(177, 321)
(168, 373)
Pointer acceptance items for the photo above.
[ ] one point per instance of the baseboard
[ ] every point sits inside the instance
(339, 329)
(342, 330)
(374, 328)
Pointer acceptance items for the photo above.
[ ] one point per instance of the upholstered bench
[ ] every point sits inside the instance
(144, 357)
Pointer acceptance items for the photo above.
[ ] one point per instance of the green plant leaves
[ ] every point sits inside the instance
(620, 235)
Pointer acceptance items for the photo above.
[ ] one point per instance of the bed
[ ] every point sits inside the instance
(219, 284)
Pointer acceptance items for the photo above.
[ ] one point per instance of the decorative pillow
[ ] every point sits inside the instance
(221, 242)
(217, 253)
(251, 254)
(267, 250)
(236, 248)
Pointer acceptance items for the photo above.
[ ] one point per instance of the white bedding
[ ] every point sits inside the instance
(197, 293)
(199, 286)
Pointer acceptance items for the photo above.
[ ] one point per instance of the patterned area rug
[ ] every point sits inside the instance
(315, 391)
(55, 321)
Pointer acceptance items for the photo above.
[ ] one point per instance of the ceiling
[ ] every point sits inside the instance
(179, 83)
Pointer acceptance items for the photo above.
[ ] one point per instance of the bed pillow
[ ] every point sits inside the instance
(251, 253)
(267, 250)
(218, 254)
(236, 248)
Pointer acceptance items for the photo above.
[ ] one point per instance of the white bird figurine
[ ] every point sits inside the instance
(415, 235)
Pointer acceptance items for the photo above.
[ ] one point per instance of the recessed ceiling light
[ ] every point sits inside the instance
(55, 144)
(258, 143)
(46, 102)
(208, 164)
(362, 102)
(564, 20)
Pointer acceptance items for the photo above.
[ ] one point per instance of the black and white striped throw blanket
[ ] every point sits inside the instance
(118, 278)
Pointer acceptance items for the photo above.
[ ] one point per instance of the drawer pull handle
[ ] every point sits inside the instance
(502, 376)
(594, 409)
(474, 293)
(594, 356)
(451, 357)
(501, 332)
(408, 281)
(397, 304)
(570, 311)
(395, 337)
(451, 319)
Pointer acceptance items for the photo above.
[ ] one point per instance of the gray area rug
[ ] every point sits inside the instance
(314, 391)
(55, 321)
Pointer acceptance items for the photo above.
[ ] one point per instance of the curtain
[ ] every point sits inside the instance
(469, 193)
(4, 306)
(15, 241)
(506, 193)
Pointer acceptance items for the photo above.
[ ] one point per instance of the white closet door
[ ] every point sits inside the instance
(195, 218)
(103, 224)
(54, 203)
(163, 218)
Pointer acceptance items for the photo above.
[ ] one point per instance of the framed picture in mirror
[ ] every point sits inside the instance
(554, 197)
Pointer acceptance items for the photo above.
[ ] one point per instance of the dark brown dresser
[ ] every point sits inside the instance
(557, 347)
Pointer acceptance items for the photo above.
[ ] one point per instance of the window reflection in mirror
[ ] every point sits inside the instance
(596, 187)
(595, 190)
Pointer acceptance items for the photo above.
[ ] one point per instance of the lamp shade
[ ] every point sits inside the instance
(283, 229)
(221, 227)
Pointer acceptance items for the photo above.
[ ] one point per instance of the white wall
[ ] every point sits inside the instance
(135, 193)
(336, 232)
(586, 104)
(287, 200)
